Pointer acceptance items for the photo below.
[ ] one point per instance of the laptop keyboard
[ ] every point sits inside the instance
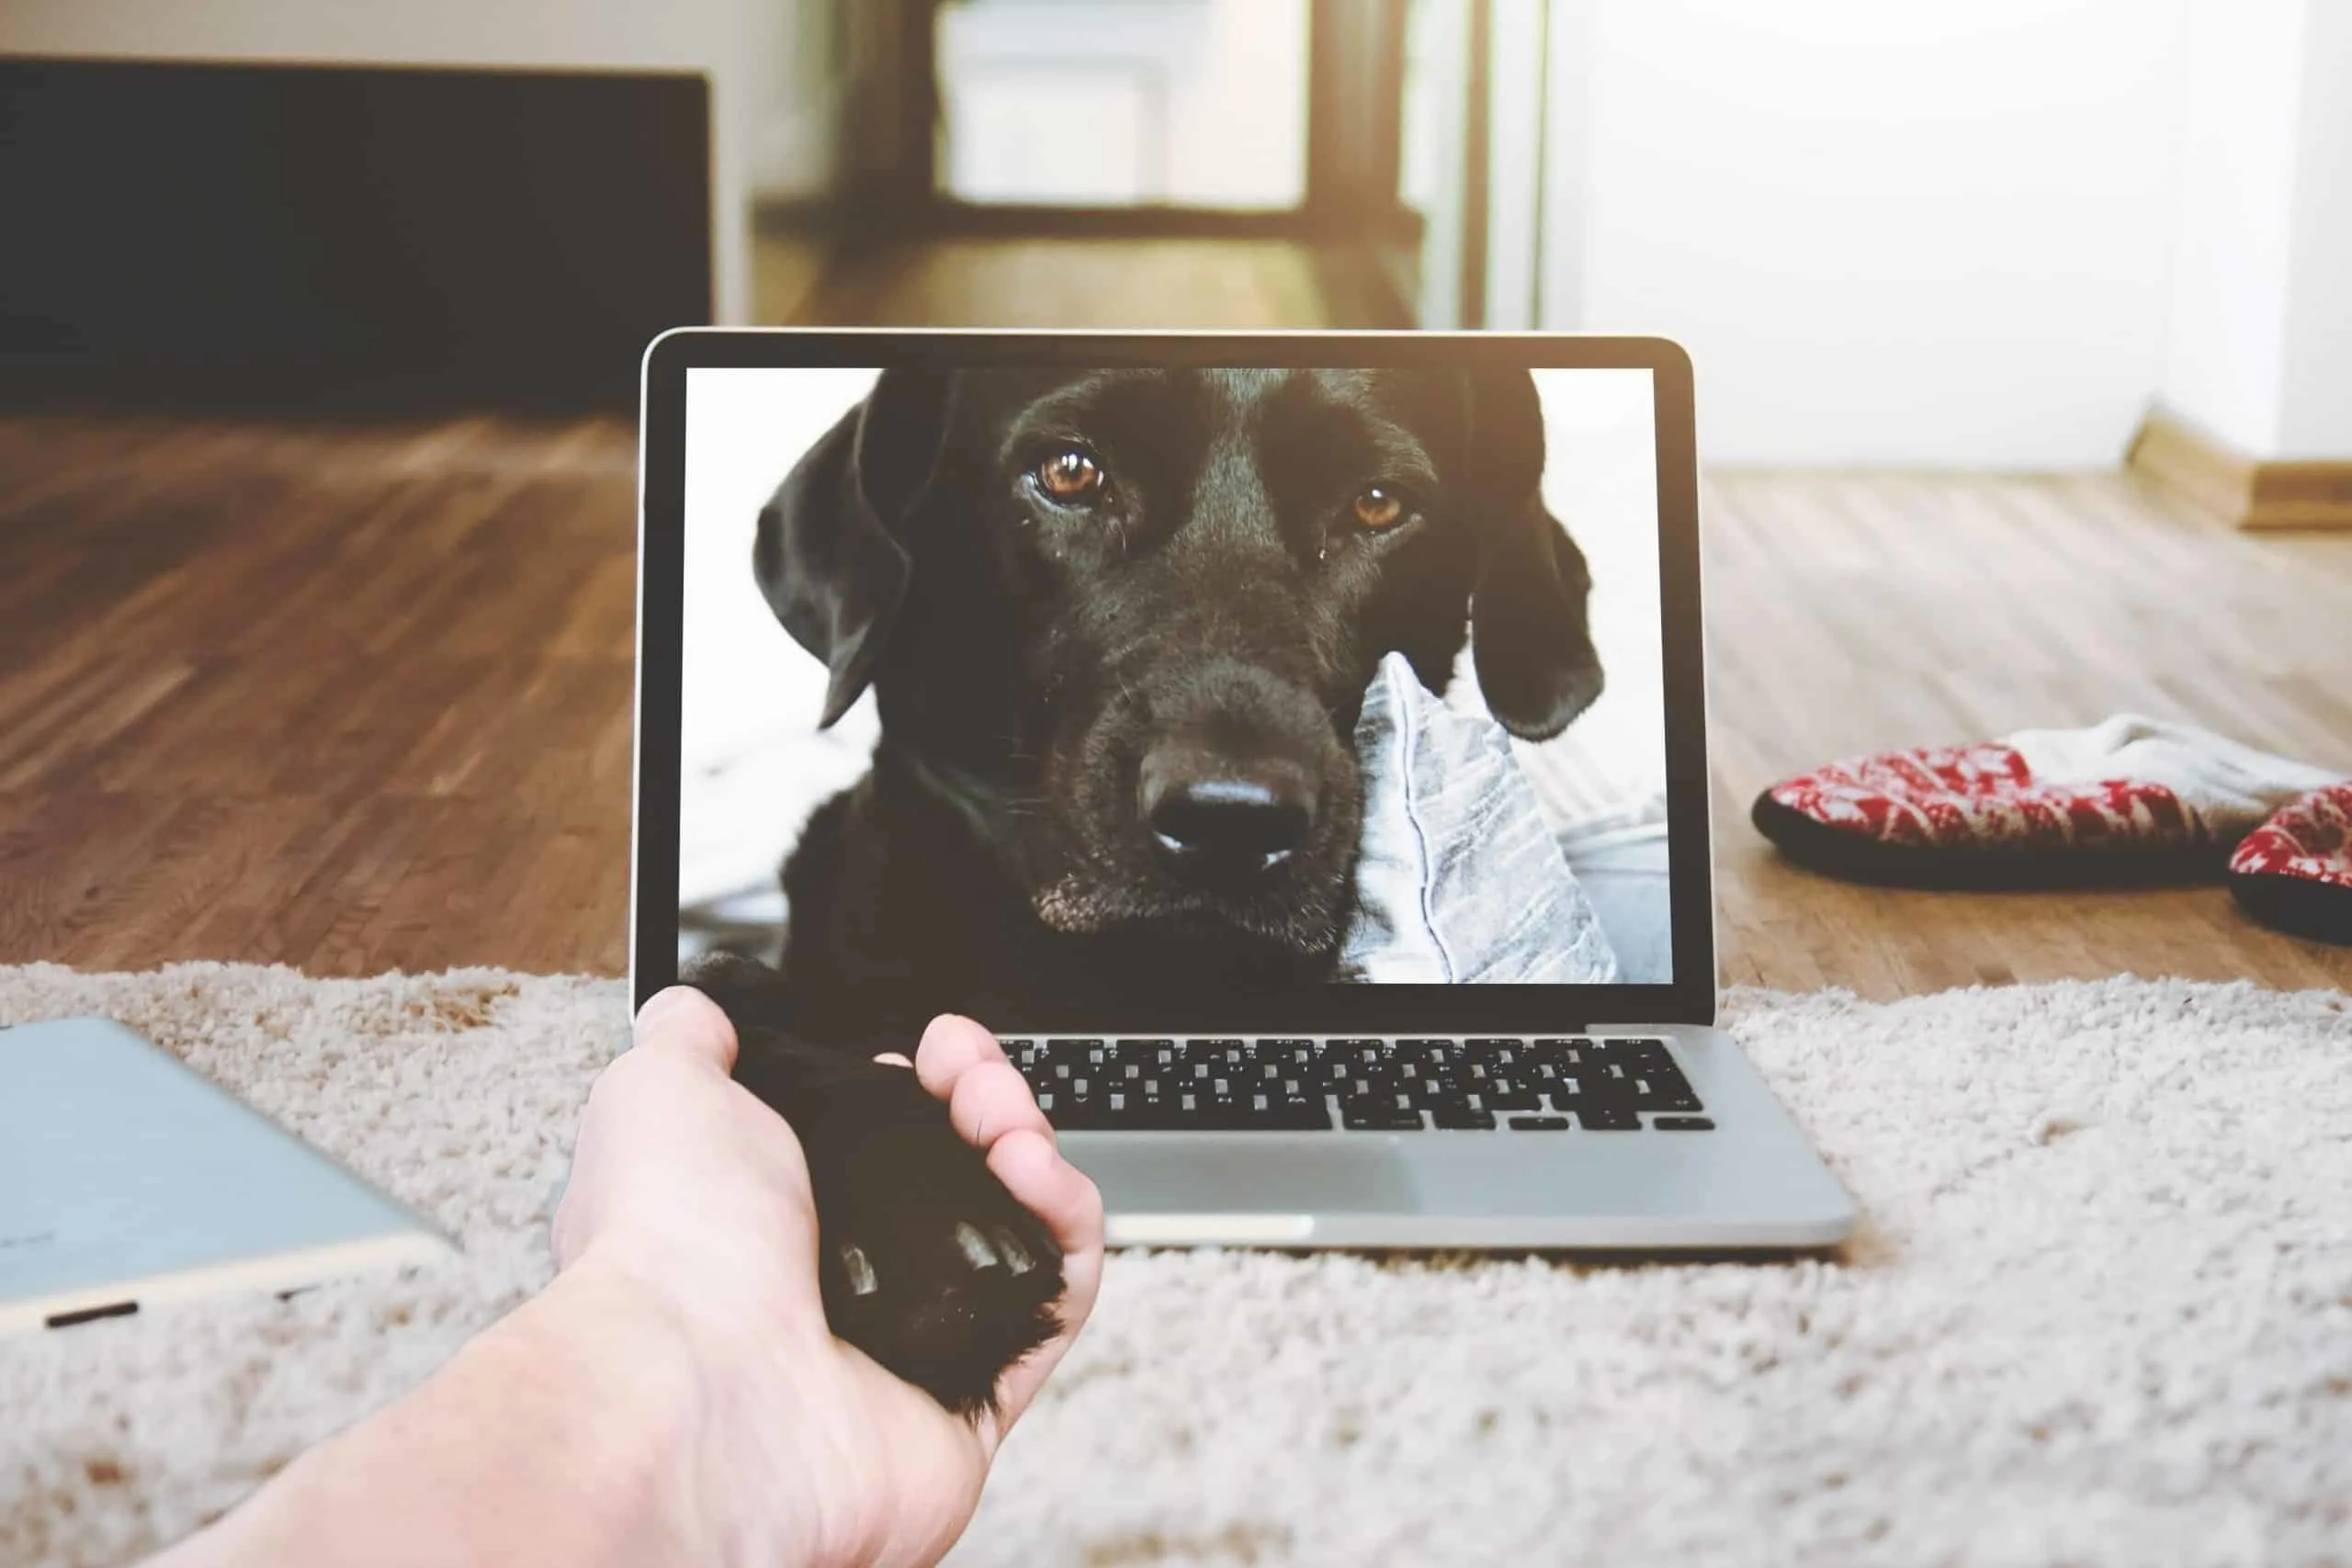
(1231, 1084)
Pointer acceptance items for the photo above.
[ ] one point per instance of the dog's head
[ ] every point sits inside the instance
(1125, 618)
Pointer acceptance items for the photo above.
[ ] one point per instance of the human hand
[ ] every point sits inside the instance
(687, 1237)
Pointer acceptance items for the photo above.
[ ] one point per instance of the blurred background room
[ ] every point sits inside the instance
(2023, 335)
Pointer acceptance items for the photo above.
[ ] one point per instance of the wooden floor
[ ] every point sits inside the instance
(1851, 613)
(358, 699)
(352, 700)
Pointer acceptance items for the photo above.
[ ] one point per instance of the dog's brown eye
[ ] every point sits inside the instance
(1380, 507)
(1069, 475)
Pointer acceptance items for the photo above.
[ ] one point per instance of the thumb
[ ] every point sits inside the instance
(681, 1019)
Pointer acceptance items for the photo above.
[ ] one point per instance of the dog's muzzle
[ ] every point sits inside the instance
(1220, 818)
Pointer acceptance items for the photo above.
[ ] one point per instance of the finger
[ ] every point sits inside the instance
(895, 1058)
(992, 1100)
(1072, 1207)
(682, 1018)
(1062, 1196)
(951, 1047)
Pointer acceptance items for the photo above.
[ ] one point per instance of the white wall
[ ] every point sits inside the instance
(2315, 399)
(738, 43)
(2234, 234)
(795, 95)
(1436, 122)
(2260, 347)
(1963, 233)
(1901, 234)
(1516, 164)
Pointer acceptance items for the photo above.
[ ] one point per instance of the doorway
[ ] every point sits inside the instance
(1018, 155)
(1198, 104)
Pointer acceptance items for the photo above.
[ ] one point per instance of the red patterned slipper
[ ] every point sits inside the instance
(2295, 871)
(2129, 799)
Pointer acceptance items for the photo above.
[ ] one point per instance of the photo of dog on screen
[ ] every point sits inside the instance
(1116, 687)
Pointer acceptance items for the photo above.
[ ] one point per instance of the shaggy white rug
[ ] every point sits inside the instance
(2102, 1312)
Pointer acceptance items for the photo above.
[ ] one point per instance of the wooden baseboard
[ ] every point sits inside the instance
(2246, 493)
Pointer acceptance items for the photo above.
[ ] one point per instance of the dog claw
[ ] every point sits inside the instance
(861, 1271)
(977, 1251)
(1016, 1257)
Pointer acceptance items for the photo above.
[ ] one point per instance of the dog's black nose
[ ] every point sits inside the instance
(1217, 817)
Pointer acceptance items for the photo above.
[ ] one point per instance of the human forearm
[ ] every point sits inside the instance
(534, 1444)
(676, 1395)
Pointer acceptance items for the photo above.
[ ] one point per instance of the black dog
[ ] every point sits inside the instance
(1119, 624)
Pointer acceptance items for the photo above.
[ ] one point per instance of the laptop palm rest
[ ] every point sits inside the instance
(1248, 1174)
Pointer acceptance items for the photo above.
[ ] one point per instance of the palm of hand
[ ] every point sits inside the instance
(695, 1194)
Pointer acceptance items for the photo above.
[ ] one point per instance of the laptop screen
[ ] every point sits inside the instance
(1004, 682)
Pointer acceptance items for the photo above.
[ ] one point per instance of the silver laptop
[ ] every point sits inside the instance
(1292, 746)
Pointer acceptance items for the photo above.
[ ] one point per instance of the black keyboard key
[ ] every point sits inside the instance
(1069, 1115)
(1644, 1073)
(1682, 1124)
(1374, 1117)
(1461, 1118)
(1285, 1116)
(1514, 1099)
(1539, 1123)
(1303, 1113)
(1609, 1119)
(1083, 1055)
(1657, 1094)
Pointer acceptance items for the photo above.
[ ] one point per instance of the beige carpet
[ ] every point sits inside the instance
(2102, 1313)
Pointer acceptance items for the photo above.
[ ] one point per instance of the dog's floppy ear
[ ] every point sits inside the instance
(832, 555)
(1533, 650)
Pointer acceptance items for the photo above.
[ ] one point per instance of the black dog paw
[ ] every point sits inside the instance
(926, 1263)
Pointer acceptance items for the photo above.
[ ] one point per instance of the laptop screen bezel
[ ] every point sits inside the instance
(1690, 998)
